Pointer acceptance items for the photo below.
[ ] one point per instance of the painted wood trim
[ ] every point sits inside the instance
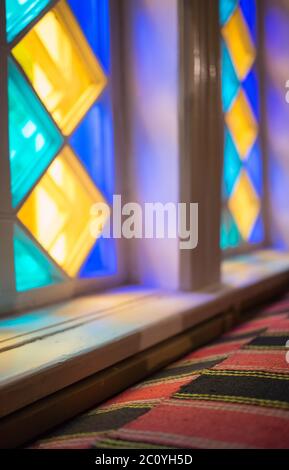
(261, 66)
(7, 284)
(201, 138)
(66, 316)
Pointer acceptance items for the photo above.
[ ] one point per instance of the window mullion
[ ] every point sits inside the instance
(7, 278)
(261, 61)
(201, 137)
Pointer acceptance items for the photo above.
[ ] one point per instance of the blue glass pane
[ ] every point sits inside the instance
(93, 143)
(254, 167)
(232, 165)
(257, 235)
(227, 8)
(19, 13)
(34, 139)
(251, 87)
(249, 10)
(32, 268)
(230, 82)
(93, 17)
(102, 260)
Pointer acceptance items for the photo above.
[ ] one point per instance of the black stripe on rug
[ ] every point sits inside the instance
(253, 387)
(268, 342)
(100, 422)
(185, 369)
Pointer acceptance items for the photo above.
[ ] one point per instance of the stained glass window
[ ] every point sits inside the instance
(242, 222)
(92, 141)
(61, 66)
(58, 212)
(59, 92)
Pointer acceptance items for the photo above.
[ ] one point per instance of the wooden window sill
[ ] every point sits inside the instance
(44, 351)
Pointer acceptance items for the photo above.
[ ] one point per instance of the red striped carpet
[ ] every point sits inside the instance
(233, 393)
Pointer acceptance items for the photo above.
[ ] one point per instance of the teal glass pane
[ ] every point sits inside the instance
(230, 235)
(232, 165)
(230, 82)
(19, 13)
(32, 268)
(227, 8)
(34, 139)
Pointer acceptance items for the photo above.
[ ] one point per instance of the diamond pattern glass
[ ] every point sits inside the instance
(58, 77)
(239, 43)
(242, 222)
(61, 66)
(33, 138)
(59, 212)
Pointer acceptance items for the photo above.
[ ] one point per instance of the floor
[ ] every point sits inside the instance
(232, 393)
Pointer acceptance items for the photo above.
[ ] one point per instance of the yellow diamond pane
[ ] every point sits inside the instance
(244, 204)
(61, 66)
(238, 39)
(242, 125)
(59, 212)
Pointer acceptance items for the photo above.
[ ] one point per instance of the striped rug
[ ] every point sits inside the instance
(232, 393)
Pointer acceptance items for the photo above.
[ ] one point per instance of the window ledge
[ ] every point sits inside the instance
(47, 350)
